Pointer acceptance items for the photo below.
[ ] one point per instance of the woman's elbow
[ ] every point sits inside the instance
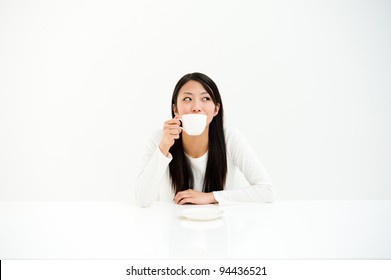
(142, 199)
(270, 194)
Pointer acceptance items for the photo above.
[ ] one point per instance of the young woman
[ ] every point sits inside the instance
(199, 169)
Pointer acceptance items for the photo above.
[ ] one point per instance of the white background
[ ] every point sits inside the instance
(82, 83)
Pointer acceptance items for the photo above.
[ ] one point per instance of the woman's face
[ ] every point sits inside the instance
(194, 99)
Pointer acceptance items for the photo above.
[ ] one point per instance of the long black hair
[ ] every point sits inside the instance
(216, 168)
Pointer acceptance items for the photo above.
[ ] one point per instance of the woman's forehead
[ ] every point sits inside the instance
(192, 87)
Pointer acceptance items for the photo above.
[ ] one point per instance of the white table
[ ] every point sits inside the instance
(118, 230)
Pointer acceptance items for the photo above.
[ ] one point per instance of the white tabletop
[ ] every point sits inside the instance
(118, 230)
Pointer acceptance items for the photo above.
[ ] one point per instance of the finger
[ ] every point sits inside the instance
(181, 195)
(173, 122)
(174, 130)
(169, 128)
(172, 127)
(177, 198)
(185, 201)
(174, 135)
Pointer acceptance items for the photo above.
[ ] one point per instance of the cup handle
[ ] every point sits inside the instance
(181, 126)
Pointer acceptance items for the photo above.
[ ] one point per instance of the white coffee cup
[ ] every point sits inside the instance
(193, 124)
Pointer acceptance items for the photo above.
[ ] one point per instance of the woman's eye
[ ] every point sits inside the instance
(187, 99)
(206, 98)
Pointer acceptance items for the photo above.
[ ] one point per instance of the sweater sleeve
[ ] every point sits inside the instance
(153, 168)
(260, 188)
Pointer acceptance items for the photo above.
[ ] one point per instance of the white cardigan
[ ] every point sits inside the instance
(153, 181)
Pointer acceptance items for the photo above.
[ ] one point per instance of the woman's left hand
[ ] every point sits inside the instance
(194, 197)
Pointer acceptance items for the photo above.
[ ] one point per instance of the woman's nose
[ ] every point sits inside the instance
(196, 107)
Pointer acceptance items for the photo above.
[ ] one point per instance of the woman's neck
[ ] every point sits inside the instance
(195, 146)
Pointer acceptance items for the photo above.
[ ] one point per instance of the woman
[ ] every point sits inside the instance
(199, 169)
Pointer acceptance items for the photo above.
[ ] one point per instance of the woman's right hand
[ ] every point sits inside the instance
(171, 131)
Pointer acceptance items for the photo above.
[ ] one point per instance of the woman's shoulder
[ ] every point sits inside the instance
(232, 133)
(234, 138)
(239, 149)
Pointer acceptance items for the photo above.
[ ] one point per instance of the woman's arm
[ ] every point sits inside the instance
(260, 188)
(155, 162)
(153, 168)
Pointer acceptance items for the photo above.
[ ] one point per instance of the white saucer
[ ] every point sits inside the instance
(202, 214)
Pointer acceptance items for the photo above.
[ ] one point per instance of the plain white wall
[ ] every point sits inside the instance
(83, 82)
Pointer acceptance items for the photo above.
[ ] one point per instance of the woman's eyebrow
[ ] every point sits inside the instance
(186, 92)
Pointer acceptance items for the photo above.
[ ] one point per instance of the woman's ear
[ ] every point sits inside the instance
(174, 109)
(217, 108)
